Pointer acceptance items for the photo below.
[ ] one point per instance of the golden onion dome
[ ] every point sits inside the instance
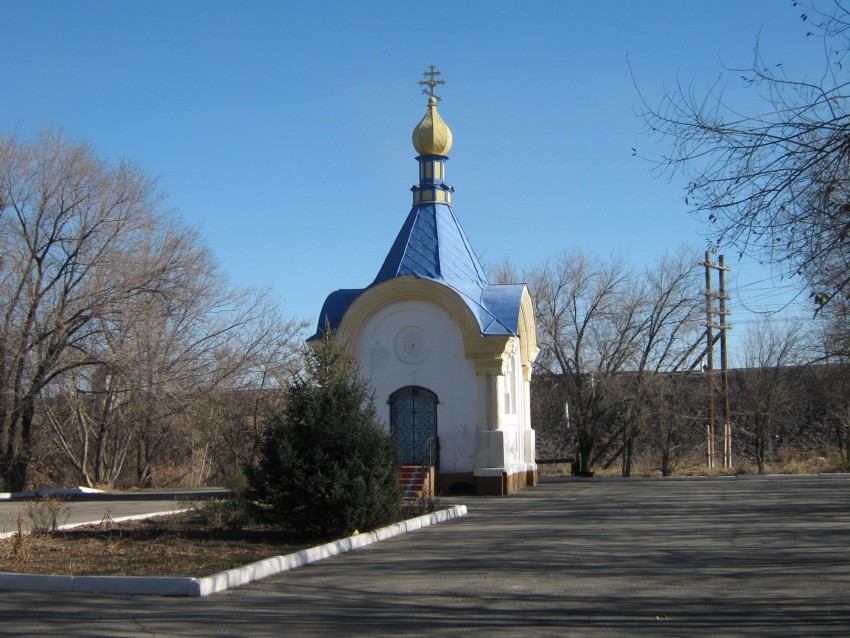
(431, 136)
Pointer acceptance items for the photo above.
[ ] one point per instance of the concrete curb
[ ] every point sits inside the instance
(51, 491)
(11, 496)
(187, 586)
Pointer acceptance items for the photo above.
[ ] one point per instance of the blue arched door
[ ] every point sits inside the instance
(413, 421)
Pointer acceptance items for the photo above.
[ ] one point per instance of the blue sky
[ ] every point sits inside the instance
(283, 129)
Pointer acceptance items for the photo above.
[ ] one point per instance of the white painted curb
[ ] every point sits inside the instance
(176, 586)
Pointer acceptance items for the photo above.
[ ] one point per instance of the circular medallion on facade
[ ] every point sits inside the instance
(411, 345)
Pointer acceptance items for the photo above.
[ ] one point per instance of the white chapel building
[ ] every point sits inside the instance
(447, 353)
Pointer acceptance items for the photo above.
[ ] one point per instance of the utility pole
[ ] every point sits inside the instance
(709, 367)
(724, 366)
(722, 327)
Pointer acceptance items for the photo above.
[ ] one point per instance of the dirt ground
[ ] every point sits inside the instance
(190, 544)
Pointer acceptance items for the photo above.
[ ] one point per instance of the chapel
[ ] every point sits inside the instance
(447, 353)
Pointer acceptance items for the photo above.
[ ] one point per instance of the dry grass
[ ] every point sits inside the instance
(190, 544)
(213, 537)
(786, 462)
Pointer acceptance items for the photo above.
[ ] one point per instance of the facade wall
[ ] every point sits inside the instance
(410, 331)
(416, 343)
(513, 412)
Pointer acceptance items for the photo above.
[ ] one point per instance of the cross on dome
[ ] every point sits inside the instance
(431, 136)
(431, 82)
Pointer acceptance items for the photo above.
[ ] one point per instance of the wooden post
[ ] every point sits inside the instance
(709, 367)
(727, 423)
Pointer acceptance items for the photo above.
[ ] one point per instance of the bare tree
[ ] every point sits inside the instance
(85, 415)
(831, 332)
(504, 272)
(170, 385)
(589, 323)
(676, 414)
(230, 418)
(765, 393)
(775, 182)
(606, 335)
(175, 351)
(840, 413)
(670, 329)
(66, 218)
(117, 323)
(819, 417)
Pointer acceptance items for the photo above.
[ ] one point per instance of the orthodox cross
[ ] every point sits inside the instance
(431, 82)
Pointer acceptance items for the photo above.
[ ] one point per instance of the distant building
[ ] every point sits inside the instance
(448, 353)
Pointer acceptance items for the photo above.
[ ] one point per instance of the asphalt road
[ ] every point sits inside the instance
(721, 557)
(97, 507)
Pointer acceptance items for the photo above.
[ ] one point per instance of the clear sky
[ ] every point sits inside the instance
(283, 128)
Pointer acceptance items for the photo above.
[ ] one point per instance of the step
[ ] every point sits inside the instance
(412, 480)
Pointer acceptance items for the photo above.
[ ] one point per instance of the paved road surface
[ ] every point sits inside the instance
(722, 557)
(94, 507)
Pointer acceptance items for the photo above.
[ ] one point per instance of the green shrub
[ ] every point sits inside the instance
(326, 466)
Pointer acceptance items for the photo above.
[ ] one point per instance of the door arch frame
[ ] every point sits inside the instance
(396, 394)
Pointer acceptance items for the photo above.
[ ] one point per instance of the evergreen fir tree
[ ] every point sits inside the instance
(327, 467)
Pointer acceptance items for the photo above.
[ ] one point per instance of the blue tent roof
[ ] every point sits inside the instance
(432, 245)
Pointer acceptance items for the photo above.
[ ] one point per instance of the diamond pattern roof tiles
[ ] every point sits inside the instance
(432, 245)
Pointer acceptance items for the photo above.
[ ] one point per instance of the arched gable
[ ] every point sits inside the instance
(479, 348)
(527, 329)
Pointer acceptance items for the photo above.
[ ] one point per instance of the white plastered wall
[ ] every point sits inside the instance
(513, 420)
(506, 442)
(416, 343)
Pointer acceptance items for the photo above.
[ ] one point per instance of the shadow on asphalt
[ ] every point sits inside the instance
(593, 558)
